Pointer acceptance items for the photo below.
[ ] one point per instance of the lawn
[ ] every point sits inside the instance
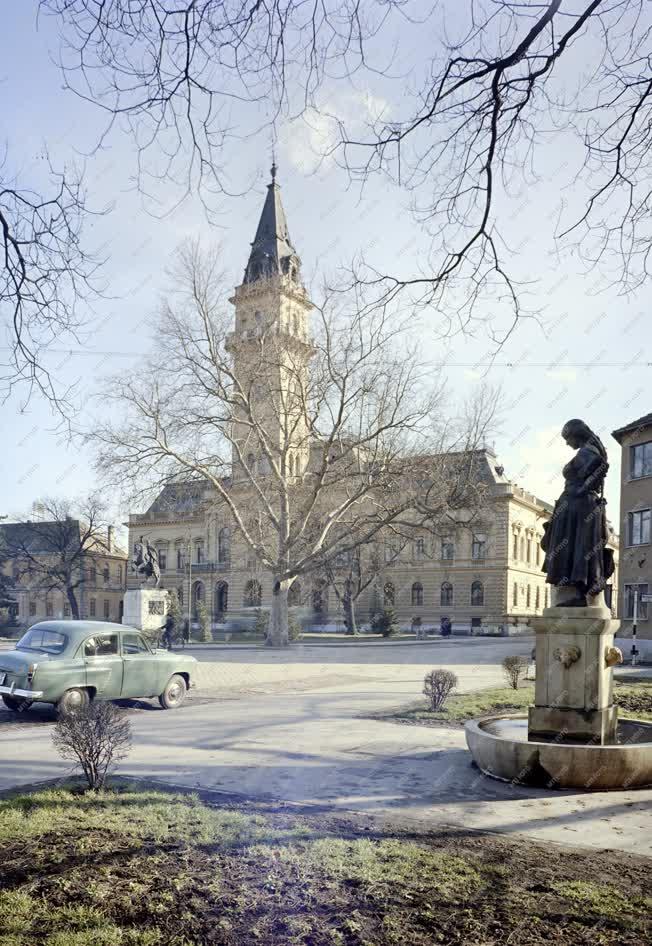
(633, 699)
(149, 868)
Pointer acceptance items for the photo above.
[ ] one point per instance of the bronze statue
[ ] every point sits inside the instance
(145, 561)
(575, 538)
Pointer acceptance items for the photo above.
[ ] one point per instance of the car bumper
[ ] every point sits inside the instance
(21, 694)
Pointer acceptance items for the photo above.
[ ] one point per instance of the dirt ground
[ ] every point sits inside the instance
(143, 867)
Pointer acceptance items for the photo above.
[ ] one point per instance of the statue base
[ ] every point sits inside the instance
(573, 690)
(145, 608)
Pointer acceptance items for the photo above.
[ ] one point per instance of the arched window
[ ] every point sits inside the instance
(319, 598)
(527, 597)
(515, 549)
(477, 594)
(252, 594)
(446, 595)
(417, 594)
(197, 596)
(294, 594)
(515, 595)
(389, 594)
(537, 599)
(224, 545)
(221, 599)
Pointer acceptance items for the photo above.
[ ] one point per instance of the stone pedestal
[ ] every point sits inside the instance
(573, 691)
(145, 608)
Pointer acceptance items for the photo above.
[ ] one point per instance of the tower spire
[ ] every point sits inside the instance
(272, 252)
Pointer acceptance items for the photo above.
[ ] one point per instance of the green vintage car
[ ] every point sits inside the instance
(70, 663)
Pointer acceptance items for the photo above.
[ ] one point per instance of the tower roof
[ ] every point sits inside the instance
(272, 252)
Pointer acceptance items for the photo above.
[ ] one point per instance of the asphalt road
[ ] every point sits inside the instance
(290, 725)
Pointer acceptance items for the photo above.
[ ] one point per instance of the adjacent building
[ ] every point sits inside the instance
(53, 563)
(635, 582)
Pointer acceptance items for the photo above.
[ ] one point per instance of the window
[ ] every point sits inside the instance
(107, 608)
(515, 595)
(477, 594)
(224, 545)
(447, 549)
(66, 610)
(446, 596)
(32, 608)
(389, 594)
(134, 644)
(105, 574)
(417, 594)
(537, 599)
(200, 554)
(479, 546)
(529, 552)
(630, 592)
(515, 549)
(528, 597)
(91, 607)
(638, 527)
(162, 561)
(391, 554)
(52, 642)
(92, 574)
(252, 594)
(49, 610)
(420, 548)
(640, 460)
(101, 645)
(179, 559)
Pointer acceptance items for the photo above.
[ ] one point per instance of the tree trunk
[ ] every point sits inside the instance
(277, 634)
(72, 601)
(349, 614)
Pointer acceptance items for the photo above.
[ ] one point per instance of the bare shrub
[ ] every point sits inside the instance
(95, 738)
(437, 686)
(514, 668)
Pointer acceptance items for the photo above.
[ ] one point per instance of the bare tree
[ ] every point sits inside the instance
(469, 118)
(54, 551)
(96, 738)
(45, 275)
(311, 444)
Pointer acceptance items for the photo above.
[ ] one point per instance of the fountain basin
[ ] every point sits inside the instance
(500, 748)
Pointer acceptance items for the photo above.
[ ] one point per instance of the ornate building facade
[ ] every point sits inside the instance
(478, 579)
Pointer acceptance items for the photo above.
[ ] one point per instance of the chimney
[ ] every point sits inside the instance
(109, 538)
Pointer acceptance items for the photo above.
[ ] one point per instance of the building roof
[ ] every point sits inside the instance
(635, 426)
(42, 537)
(272, 252)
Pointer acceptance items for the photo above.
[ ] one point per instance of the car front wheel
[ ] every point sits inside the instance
(175, 692)
(15, 703)
(73, 701)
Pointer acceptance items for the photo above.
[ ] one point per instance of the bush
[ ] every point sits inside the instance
(385, 622)
(438, 686)
(514, 668)
(174, 608)
(261, 624)
(204, 618)
(294, 628)
(95, 738)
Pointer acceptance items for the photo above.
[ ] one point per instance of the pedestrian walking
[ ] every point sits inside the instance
(185, 633)
(168, 631)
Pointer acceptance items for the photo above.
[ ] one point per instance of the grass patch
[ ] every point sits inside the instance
(150, 868)
(634, 701)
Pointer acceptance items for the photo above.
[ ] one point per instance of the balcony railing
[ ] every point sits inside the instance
(203, 567)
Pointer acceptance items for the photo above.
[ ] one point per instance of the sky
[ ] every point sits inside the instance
(584, 356)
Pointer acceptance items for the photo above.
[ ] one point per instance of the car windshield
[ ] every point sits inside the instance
(52, 642)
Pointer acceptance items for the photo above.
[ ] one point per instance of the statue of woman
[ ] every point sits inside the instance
(575, 538)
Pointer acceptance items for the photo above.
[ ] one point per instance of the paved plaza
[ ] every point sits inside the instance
(291, 725)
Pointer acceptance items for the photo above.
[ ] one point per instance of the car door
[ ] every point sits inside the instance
(103, 663)
(140, 669)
